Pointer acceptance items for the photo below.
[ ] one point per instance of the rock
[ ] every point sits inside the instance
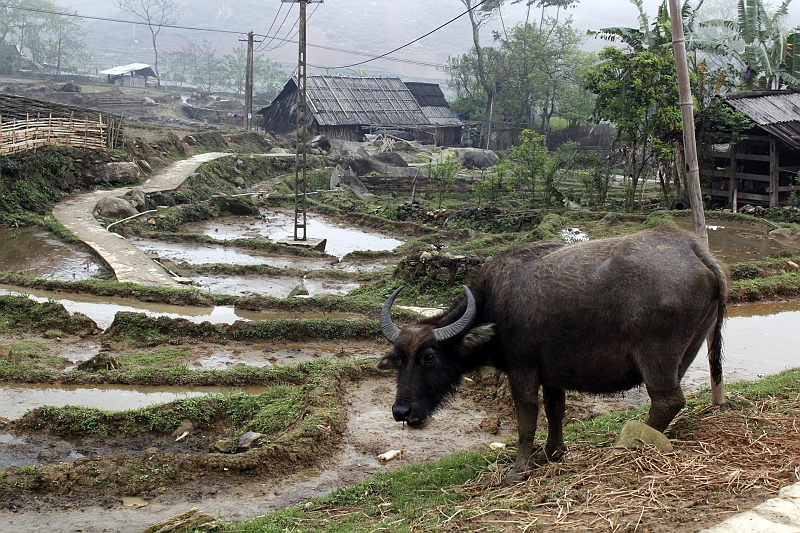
(115, 208)
(247, 440)
(610, 218)
(148, 102)
(791, 266)
(635, 434)
(223, 446)
(300, 290)
(235, 206)
(145, 165)
(477, 158)
(124, 173)
(350, 180)
(491, 424)
(192, 520)
(101, 361)
(5, 353)
(391, 158)
(137, 198)
(747, 209)
(321, 142)
(70, 87)
(186, 425)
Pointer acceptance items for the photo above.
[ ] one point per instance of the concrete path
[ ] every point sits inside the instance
(128, 262)
(776, 515)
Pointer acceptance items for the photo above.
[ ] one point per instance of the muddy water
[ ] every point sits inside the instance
(35, 252)
(734, 242)
(17, 399)
(102, 309)
(759, 339)
(268, 286)
(278, 225)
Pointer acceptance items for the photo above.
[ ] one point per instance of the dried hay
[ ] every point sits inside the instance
(722, 459)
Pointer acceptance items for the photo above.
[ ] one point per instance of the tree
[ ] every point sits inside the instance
(638, 92)
(155, 13)
(529, 159)
(443, 174)
(267, 75)
(758, 44)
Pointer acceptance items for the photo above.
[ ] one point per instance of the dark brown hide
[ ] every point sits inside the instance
(600, 316)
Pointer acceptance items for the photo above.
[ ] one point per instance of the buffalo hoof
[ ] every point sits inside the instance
(543, 457)
(515, 476)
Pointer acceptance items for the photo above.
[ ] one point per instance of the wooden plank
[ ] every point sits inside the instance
(752, 177)
(774, 174)
(754, 157)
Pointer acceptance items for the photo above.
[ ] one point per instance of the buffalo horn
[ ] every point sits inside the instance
(459, 326)
(390, 331)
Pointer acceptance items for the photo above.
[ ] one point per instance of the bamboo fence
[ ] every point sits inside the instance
(28, 124)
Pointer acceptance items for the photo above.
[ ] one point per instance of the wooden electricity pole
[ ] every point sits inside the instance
(302, 127)
(248, 84)
(690, 147)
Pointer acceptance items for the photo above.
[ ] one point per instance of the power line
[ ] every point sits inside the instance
(408, 43)
(275, 35)
(108, 19)
(290, 39)
(277, 14)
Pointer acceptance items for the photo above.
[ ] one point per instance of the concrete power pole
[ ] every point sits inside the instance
(302, 128)
(690, 148)
(248, 84)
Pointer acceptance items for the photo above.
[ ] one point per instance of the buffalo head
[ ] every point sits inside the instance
(430, 357)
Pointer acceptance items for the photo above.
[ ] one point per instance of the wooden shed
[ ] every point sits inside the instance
(761, 169)
(447, 127)
(133, 75)
(349, 107)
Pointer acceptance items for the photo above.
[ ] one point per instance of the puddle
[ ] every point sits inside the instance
(734, 242)
(571, 235)
(277, 287)
(35, 252)
(278, 225)
(758, 339)
(31, 450)
(17, 399)
(133, 501)
(102, 309)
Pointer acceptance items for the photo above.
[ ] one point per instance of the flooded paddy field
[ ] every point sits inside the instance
(278, 224)
(36, 252)
(735, 242)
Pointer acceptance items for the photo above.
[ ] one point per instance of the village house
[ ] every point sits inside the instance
(349, 107)
(133, 75)
(761, 169)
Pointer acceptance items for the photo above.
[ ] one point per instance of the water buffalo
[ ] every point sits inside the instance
(597, 317)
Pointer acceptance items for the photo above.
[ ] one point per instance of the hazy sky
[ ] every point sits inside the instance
(369, 26)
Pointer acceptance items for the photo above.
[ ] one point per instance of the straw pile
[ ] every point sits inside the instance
(724, 461)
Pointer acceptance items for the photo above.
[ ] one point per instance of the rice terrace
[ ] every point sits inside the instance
(201, 321)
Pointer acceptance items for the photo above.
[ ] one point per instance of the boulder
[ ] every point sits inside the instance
(247, 440)
(115, 208)
(137, 198)
(70, 87)
(635, 434)
(123, 173)
(321, 142)
(224, 446)
(476, 158)
(192, 520)
(101, 361)
(609, 218)
(390, 158)
(300, 290)
(235, 206)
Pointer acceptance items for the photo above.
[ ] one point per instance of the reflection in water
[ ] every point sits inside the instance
(36, 252)
(279, 224)
(17, 399)
(758, 339)
(734, 242)
(277, 287)
(102, 309)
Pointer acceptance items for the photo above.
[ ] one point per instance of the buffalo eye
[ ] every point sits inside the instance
(428, 358)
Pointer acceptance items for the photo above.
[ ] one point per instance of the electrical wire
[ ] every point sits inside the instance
(266, 44)
(288, 39)
(277, 14)
(408, 43)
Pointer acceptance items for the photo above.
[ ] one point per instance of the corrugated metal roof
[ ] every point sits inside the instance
(126, 69)
(777, 112)
(338, 101)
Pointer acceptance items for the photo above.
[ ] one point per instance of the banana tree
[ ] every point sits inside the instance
(758, 44)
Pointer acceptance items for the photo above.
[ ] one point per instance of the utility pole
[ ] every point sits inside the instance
(248, 84)
(690, 149)
(302, 128)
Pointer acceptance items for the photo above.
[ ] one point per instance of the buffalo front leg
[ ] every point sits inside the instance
(526, 402)
(664, 405)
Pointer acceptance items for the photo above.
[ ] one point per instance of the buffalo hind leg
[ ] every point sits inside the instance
(554, 406)
(664, 405)
(525, 391)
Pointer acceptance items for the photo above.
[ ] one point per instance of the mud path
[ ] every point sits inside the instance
(128, 262)
(370, 431)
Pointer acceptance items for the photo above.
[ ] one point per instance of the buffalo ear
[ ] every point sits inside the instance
(387, 363)
(475, 338)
